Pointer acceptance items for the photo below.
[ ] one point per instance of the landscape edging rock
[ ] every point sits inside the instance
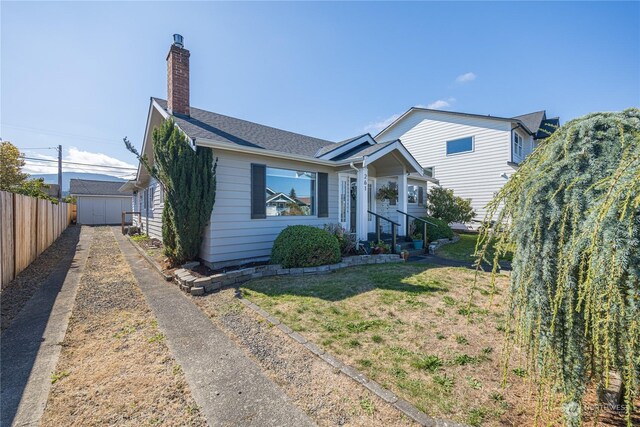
(194, 285)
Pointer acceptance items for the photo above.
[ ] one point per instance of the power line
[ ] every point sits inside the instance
(39, 148)
(61, 134)
(81, 164)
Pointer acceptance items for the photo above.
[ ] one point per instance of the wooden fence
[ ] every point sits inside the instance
(28, 226)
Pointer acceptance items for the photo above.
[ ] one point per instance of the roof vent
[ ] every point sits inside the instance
(177, 40)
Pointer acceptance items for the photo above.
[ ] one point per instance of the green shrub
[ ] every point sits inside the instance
(440, 230)
(305, 246)
(445, 205)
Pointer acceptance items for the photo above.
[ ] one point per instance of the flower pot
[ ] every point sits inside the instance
(417, 244)
(398, 248)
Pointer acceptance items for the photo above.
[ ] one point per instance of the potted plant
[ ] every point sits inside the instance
(417, 241)
(381, 248)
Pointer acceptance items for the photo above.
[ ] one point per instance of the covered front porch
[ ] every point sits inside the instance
(388, 166)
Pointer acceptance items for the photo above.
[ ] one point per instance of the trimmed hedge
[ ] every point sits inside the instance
(440, 230)
(305, 246)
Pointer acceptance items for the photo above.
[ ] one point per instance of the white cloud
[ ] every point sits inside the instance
(439, 104)
(78, 156)
(376, 127)
(466, 78)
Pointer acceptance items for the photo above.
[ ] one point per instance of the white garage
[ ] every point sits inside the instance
(100, 202)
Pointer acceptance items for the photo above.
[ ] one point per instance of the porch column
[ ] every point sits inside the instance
(402, 202)
(361, 203)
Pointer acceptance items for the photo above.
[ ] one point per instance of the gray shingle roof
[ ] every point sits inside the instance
(532, 120)
(327, 148)
(220, 128)
(90, 187)
(361, 151)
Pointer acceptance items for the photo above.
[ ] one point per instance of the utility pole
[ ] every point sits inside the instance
(59, 172)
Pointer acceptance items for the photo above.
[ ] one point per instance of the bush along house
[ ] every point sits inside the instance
(269, 178)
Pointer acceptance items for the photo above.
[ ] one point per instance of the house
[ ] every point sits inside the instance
(268, 178)
(52, 190)
(100, 202)
(474, 155)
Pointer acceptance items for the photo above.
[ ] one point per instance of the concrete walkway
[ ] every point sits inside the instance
(230, 388)
(30, 346)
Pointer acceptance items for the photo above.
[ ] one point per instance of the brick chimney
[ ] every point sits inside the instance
(178, 77)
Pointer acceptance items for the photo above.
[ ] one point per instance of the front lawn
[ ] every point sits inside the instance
(464, 249)
(406, 326)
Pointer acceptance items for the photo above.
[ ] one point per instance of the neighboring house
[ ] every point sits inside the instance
(52, 190)
(259, 166)
(100, 202)
(471, 154)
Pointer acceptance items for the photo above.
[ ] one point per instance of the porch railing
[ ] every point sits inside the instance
(424, 227)
(394, 231)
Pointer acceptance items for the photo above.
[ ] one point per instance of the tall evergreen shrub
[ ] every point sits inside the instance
(188, 176)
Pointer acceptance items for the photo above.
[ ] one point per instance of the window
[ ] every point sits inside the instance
(290, 192)
(143, 200)
(152, 196)
(412, 194)
(161, 198)
(430, 171)
(517, 144)
(461, 145)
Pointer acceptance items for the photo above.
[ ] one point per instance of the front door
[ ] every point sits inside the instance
(353, 208)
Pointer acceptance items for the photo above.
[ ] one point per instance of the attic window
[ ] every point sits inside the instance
(459, 146)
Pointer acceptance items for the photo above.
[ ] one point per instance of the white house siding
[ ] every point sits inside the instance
(232, 236)
(101, 210)
(474, 175)
(151, 217)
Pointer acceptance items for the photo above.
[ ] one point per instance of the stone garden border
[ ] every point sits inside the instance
(433, 246)
(201, 285)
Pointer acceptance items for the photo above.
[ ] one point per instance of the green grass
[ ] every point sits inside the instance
(389, 321)
(464, 250)
(140, 238)
(57, 376)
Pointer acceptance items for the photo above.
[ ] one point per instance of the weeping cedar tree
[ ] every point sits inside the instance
(188, 177)
(571, 214)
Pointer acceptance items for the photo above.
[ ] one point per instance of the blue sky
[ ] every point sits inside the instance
(81, 74)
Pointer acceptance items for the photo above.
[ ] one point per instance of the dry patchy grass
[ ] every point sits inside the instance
(411, 328)
(115, 367)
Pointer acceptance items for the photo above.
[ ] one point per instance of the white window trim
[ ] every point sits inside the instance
(473, 146)
(518, 142)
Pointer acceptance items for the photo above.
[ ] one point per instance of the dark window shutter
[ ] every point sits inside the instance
(421, 196)
(323, 195)
(258, 191)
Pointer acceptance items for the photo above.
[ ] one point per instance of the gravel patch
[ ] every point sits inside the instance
(326, 395)
(16, 294)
